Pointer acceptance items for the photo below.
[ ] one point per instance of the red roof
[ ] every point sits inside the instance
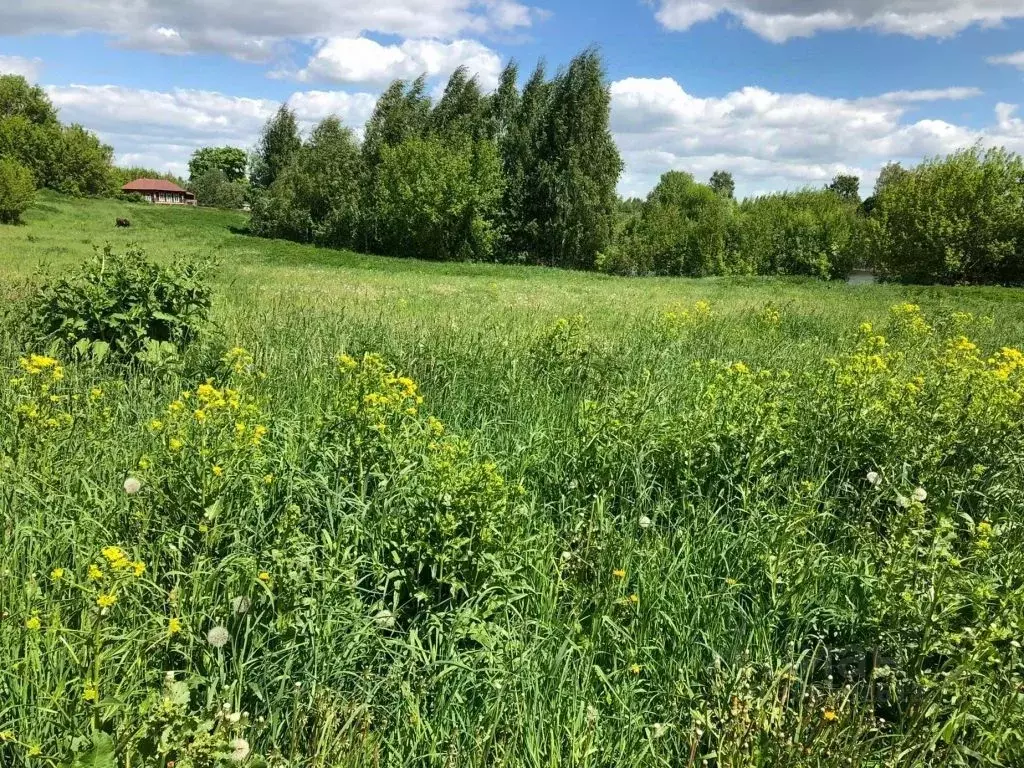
(151, 185)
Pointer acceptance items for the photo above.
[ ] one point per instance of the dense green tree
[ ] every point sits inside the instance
(231, 161)
(17, 190)
(723, 183)
(683, 229)
(83, 163)
(20, 99)
(847, 187)
(503, 104)
(437, 199)
(68, 159)
(277, 145)
(461, 111)
(518, 132)
(577, 169)
(35, 146)
(811, 232)
(402, 112)
(317, 198)
(213, 188)
(958, 219)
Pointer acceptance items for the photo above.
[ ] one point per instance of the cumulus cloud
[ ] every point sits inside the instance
(361, 60)
(18, 65)
(255, 30)
(778, 140)
(1010, 59)
(161, 129)
(780, 20)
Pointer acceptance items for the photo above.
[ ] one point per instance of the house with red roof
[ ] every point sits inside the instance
(160, 192)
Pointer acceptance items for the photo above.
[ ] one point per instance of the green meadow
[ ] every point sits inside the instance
(394, 512)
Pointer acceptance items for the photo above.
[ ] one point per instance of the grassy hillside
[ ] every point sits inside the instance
(407, 513)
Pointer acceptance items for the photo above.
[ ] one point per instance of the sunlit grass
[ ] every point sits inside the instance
(648, 532)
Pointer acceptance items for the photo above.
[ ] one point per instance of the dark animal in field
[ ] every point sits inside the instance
(123, 223)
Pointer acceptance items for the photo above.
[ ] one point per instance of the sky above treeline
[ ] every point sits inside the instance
(782, 93)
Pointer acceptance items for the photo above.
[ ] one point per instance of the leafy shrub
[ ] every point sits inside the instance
(122, 305)
(682, 229)
(214, 189)
(810, 233)
(954, 220)
(437, 199)
(17, 191)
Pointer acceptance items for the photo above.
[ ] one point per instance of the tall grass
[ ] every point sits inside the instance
(652, 532)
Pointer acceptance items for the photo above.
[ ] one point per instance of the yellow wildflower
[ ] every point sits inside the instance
(33, 623)
(95, 393)
(634, 598)
(173, 626)
(264, 577)
(200, 415)
(156, 425)
(217, 470)
(175, 444)
(95, 574)
(112, 554)
(635, 669)
(829, 716)
(90, 693)
(619, 573)
(138, 568)
(258, 433)
(106, 600)
(268, 479)
(56, 574)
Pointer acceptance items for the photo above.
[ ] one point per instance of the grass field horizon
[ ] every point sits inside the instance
(400, 512)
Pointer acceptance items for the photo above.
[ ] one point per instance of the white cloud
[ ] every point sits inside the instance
(1010, 59)
(257, 29)
(18, 65)
(780, 20)
(361, 60)
(778, 140)
(162, 128)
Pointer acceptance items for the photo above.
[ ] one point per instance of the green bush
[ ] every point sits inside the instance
(16, 190)
(122, 306)
(954, 220)
(682, 229)
(812, 233)
(436, 199)
(214, 189)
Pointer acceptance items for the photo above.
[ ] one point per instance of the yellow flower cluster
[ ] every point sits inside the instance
(680, 316)
(118, 561)
(40, 365)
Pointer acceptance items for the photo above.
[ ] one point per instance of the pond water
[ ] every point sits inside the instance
(862, 277)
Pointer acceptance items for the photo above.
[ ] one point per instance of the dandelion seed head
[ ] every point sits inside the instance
(239, 750)
(240, 605)
(920, 494)
(218, 637)
(874, 479)
(645, 521)
(132, 486)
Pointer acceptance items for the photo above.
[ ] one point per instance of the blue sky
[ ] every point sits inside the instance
(783, 93)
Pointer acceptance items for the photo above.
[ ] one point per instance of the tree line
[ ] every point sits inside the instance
(528, 174)
(519, 175)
